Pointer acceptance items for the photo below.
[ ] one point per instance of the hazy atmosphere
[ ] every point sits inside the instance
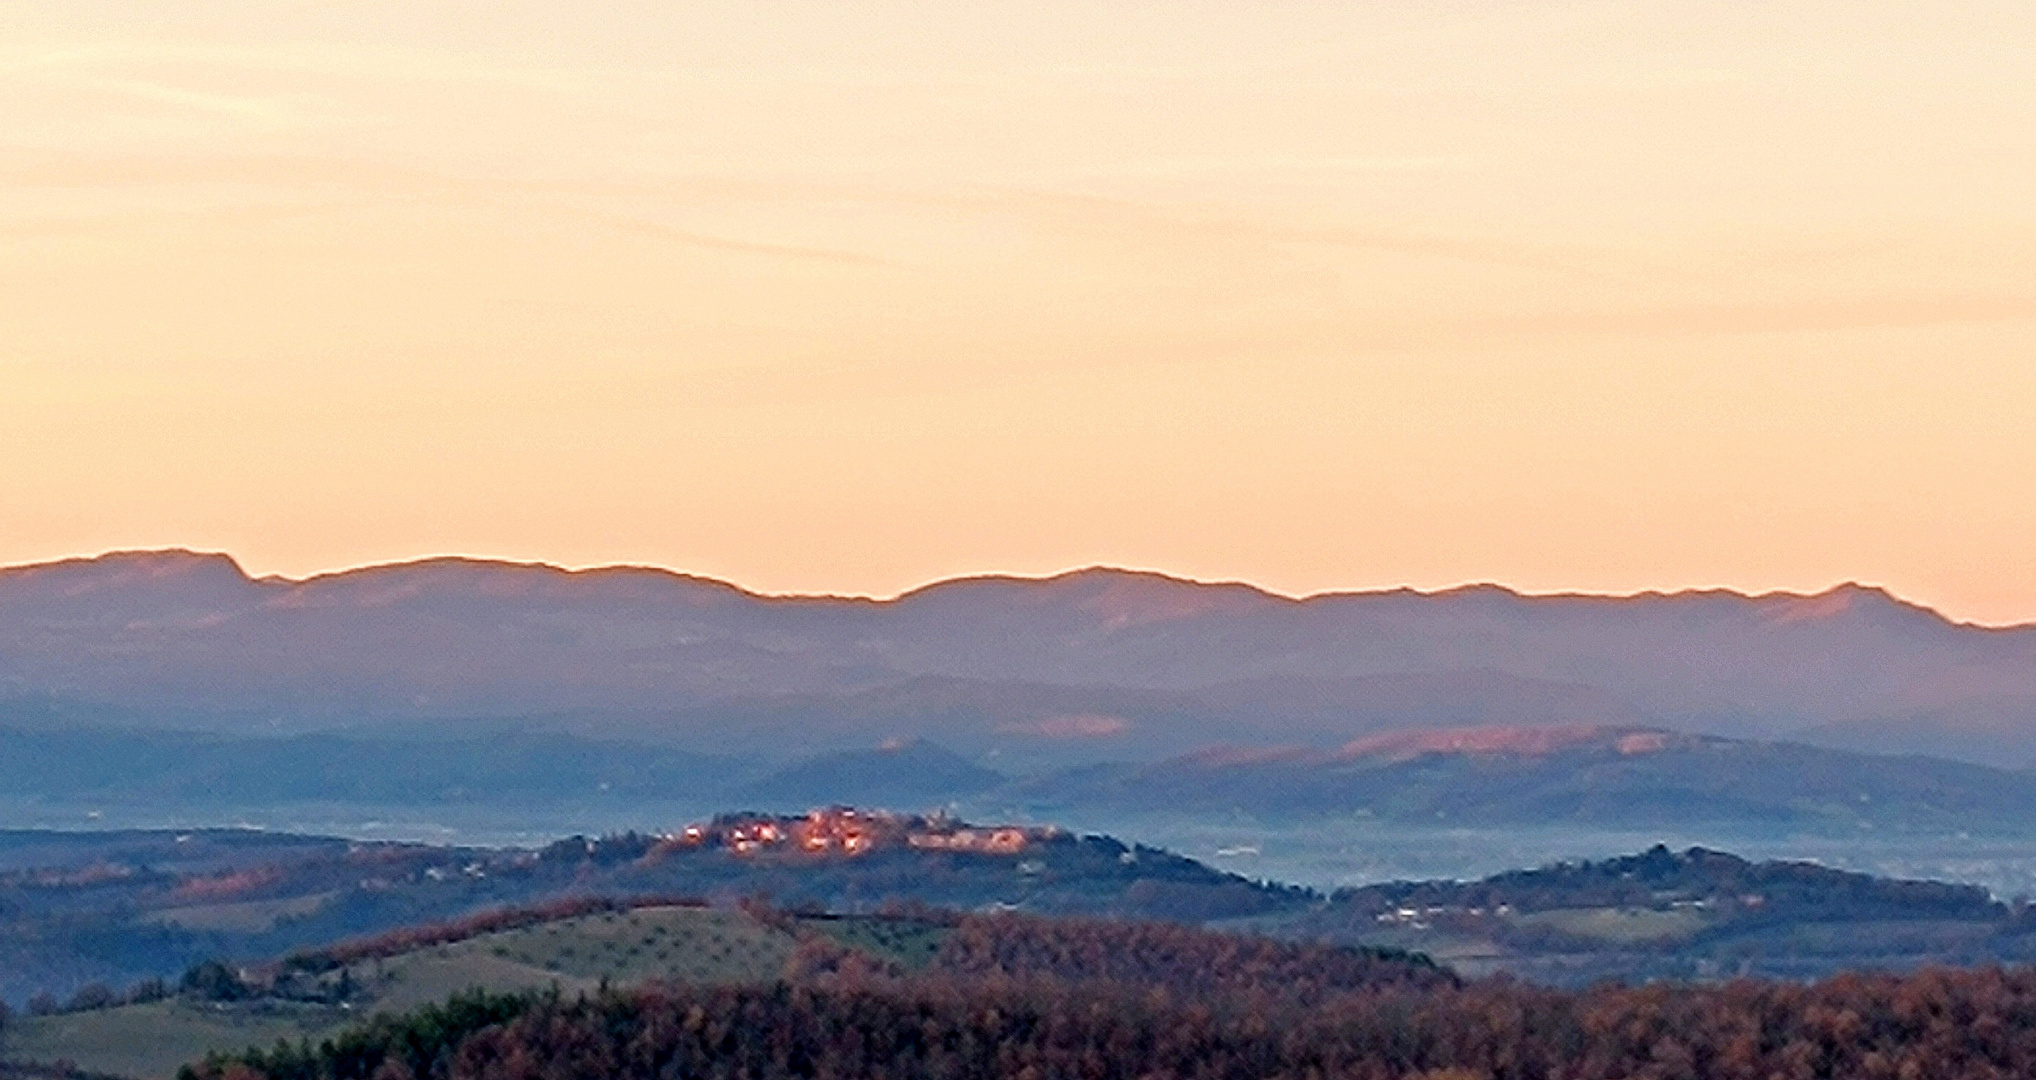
(1220, 539)
(848, 298)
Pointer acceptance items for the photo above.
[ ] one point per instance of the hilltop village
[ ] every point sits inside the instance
(845, 831)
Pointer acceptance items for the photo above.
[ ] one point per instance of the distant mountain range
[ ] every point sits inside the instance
(1018, 674)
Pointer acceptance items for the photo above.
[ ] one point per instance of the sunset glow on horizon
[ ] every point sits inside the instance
(1597, 297)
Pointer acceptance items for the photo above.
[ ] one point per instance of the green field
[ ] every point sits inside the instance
(668, 943)
(677, 944)
(250, 917)
(911, 944)
(1621, 926)
(152, 1040)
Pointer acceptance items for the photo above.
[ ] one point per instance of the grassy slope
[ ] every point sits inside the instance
(911, 944)
(680, 944)
(248, 917)
(152, 1040)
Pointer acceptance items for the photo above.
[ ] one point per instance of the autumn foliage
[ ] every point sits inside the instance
(1188, 964)
(1030, 999)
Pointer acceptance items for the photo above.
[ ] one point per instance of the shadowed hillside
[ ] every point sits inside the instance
(1599, 777)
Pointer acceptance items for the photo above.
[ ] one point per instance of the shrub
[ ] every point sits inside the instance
(95, 995)
(212, 980)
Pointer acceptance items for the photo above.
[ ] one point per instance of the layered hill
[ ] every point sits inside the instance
(115, 907)
(1585, 776)
(592, 947)
(1090, 665)
(1695, 914)
(491, 782)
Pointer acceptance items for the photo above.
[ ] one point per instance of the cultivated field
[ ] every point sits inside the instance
(151, 1040)
(676, 944)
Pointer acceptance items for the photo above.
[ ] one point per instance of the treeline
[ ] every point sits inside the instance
(1187, 963)
(207, 980)
(1938, 1025)
(411, 938)
(93, 995)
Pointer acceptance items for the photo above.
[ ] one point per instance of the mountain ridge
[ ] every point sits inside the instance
(1835, 599)
(1159, 664)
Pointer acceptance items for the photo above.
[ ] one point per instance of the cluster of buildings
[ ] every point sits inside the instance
(1421, 918)
(842, 830)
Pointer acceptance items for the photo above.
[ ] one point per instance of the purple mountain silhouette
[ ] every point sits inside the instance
(1092, 661)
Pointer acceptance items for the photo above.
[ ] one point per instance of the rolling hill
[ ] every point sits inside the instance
(514, 781)
(575, 954)
(117, 907)
(1696, 914)
(1586, 776)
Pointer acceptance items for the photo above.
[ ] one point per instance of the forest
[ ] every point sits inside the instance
(1043, 999)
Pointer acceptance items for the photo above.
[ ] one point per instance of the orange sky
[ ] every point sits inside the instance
(1595, 296)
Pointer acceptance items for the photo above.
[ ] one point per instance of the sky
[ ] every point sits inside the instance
(849, 297)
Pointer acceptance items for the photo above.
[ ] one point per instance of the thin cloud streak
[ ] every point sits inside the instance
(747, 247)
(273, 110)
